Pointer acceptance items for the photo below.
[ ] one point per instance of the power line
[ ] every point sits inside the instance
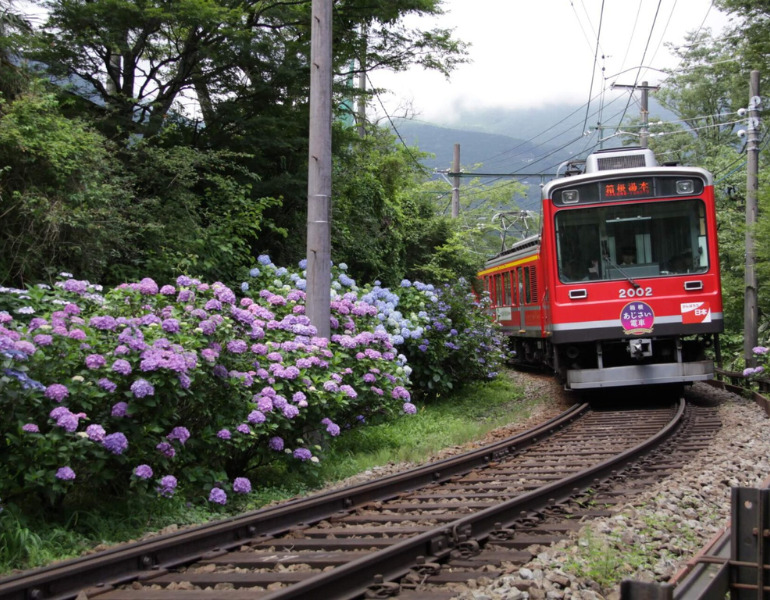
(644, 54)
(593, 71)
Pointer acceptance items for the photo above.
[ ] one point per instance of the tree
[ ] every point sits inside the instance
(14, 27)
(64, 203)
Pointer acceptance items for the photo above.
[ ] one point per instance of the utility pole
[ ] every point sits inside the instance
(361, 115)
(319, 179)
(750, 312)
(645, 113)
(456, 183)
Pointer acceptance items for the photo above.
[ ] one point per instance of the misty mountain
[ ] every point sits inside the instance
(532, 141)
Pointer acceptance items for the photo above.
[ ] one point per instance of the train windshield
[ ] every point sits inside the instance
(649, 239)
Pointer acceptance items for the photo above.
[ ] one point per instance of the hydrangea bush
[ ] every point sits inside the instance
(444, 332)
(190, 388)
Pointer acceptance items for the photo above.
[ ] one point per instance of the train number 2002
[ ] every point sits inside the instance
(635, 292)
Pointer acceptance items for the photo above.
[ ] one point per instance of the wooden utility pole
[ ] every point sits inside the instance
(319, 177)
(645, 113)
(750, 311)
(456, 183)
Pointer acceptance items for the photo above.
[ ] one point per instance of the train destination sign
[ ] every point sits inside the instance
(627, 189)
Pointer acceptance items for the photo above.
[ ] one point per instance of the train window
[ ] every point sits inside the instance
(527, 285)
(631, 240)
(498, 290)
(507, 288)
(533, 283)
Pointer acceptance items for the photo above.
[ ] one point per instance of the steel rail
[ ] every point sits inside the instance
(123, 564)
(352, 579)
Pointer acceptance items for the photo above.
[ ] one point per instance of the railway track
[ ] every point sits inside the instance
(414, 534)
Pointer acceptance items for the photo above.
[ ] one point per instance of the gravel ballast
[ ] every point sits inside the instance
(654, 535)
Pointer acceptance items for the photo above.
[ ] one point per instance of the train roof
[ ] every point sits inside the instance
(527, 245)
(623, 162)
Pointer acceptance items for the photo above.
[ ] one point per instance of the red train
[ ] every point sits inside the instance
(622, 285)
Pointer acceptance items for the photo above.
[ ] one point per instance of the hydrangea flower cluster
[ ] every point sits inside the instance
(151, 383)
(761, 352)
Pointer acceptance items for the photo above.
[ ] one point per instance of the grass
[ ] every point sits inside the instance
(467, 415)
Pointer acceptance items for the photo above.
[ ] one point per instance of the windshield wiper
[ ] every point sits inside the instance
(608, 260)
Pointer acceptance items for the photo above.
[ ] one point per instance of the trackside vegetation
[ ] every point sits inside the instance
(189, 391)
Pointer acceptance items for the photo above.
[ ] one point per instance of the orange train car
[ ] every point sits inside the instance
(622, 284)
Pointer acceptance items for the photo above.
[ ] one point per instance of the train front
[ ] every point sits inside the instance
(634, 272)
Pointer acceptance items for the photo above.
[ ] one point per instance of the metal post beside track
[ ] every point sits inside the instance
(735, 563)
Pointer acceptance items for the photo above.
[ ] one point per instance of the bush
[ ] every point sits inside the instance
(179, 386)
(155, 390)
(444, 332)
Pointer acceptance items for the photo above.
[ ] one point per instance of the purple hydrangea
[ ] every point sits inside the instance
(57, 392)
(67, 421)
(182, 434)
(43, 339)
(303, 454)
(171, 326)
(276, 443)
(290, 411)
(243, 428)
(265, 404)
(237, 346)
(400, 392)
(256, 417)
(65, 474)
(333, 429)
(116, 443)
(241, 485)
(25, 347)
(30, 428)
(95, 433)
(148, 287)
(119, 409)
(209, 355)
(166, 449)
(77, 334)
(142, 388)
(143, 471)
(121, 366)
(218, 496)
(224, 434)
(409, 408)
(167, 486)
(95, 361)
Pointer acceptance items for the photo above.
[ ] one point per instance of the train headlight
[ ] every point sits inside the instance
(685, 187)
(570, 196)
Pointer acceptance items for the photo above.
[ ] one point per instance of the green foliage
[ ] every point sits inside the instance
(200, 214)
(63, 200)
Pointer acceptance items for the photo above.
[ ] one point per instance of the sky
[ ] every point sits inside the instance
(532, 53)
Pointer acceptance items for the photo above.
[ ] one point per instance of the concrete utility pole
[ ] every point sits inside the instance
(361, 114)
(456, 183)
(750, 310)
(645, 113)
(319, 177)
